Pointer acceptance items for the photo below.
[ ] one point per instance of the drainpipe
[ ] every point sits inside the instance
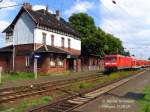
(13, 54)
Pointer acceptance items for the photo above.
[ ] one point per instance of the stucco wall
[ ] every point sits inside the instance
(75, 43)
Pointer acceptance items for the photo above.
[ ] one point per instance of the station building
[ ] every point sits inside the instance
(40, 33)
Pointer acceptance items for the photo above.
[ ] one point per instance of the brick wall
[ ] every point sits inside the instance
(47, 69)
(4, 64)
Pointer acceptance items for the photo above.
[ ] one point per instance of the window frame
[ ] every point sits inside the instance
(69, 43)
(52, 40)
(52, 59)
(62, 42)
(60, 59)
(27, 61)
(44, 38)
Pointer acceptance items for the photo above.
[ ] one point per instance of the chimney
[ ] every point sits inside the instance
(27, 6)
(46, 8)
(58, 14)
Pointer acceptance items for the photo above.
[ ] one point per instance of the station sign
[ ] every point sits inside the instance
(37, 56)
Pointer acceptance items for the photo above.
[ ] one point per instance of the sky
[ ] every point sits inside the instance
(128, 20)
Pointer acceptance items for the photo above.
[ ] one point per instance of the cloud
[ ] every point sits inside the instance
(5, 13)
(38, 7)
(6, 3)
(3, 25)
(79, 6)
(130, 21)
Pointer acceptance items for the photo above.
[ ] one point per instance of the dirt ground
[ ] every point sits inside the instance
(121, 99)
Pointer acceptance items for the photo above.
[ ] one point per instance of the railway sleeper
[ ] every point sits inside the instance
(60, 108)
(66, 104)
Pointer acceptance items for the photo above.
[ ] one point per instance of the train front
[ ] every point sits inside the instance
(110, 63)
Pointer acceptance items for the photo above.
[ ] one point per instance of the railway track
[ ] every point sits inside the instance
(70, 103)
(11, 94)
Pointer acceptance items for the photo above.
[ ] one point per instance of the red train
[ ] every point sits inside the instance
(119, 62)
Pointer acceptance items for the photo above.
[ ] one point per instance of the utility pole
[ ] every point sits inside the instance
(0, 75)
(35, 67)
(13, 57)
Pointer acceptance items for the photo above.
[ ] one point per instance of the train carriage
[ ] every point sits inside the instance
(119, 62)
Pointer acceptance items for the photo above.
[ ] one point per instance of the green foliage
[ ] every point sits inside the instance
(95, 40)
(28, 103)
(18, 76)
(145, 102)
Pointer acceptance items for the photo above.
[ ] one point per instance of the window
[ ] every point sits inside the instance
(69, 43)
(52, 40)
(27, 61)
(44, 38)
(60, 61)
(62, 42)
(8, 35)
(52, 61)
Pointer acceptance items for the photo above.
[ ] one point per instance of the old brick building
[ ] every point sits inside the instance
(44, 34)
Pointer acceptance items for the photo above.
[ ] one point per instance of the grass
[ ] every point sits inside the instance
(17, 76)
(25, 76)
(76, 87)
(145, 102)
(27, 103)
(86, 85)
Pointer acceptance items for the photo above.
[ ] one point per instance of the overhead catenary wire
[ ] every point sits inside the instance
(112, 15)
(11, 6)
(136, 21)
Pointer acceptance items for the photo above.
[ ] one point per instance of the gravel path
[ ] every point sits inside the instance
(121, 99)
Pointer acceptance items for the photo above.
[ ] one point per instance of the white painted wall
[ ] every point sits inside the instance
(9, 41)
(24, 30)
(75, 43)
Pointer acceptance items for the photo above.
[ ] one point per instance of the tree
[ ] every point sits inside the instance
(93, 39)
(83, 23)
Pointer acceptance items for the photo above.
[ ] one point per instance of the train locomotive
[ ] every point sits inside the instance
(118, 62)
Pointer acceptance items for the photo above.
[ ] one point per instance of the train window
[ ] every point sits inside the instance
(111, 59)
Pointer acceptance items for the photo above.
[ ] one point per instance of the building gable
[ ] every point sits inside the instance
(24, 29)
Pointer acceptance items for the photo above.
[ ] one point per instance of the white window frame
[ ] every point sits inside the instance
(27, 61)
(60, 61)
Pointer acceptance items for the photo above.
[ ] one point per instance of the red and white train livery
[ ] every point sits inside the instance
(119, 62)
